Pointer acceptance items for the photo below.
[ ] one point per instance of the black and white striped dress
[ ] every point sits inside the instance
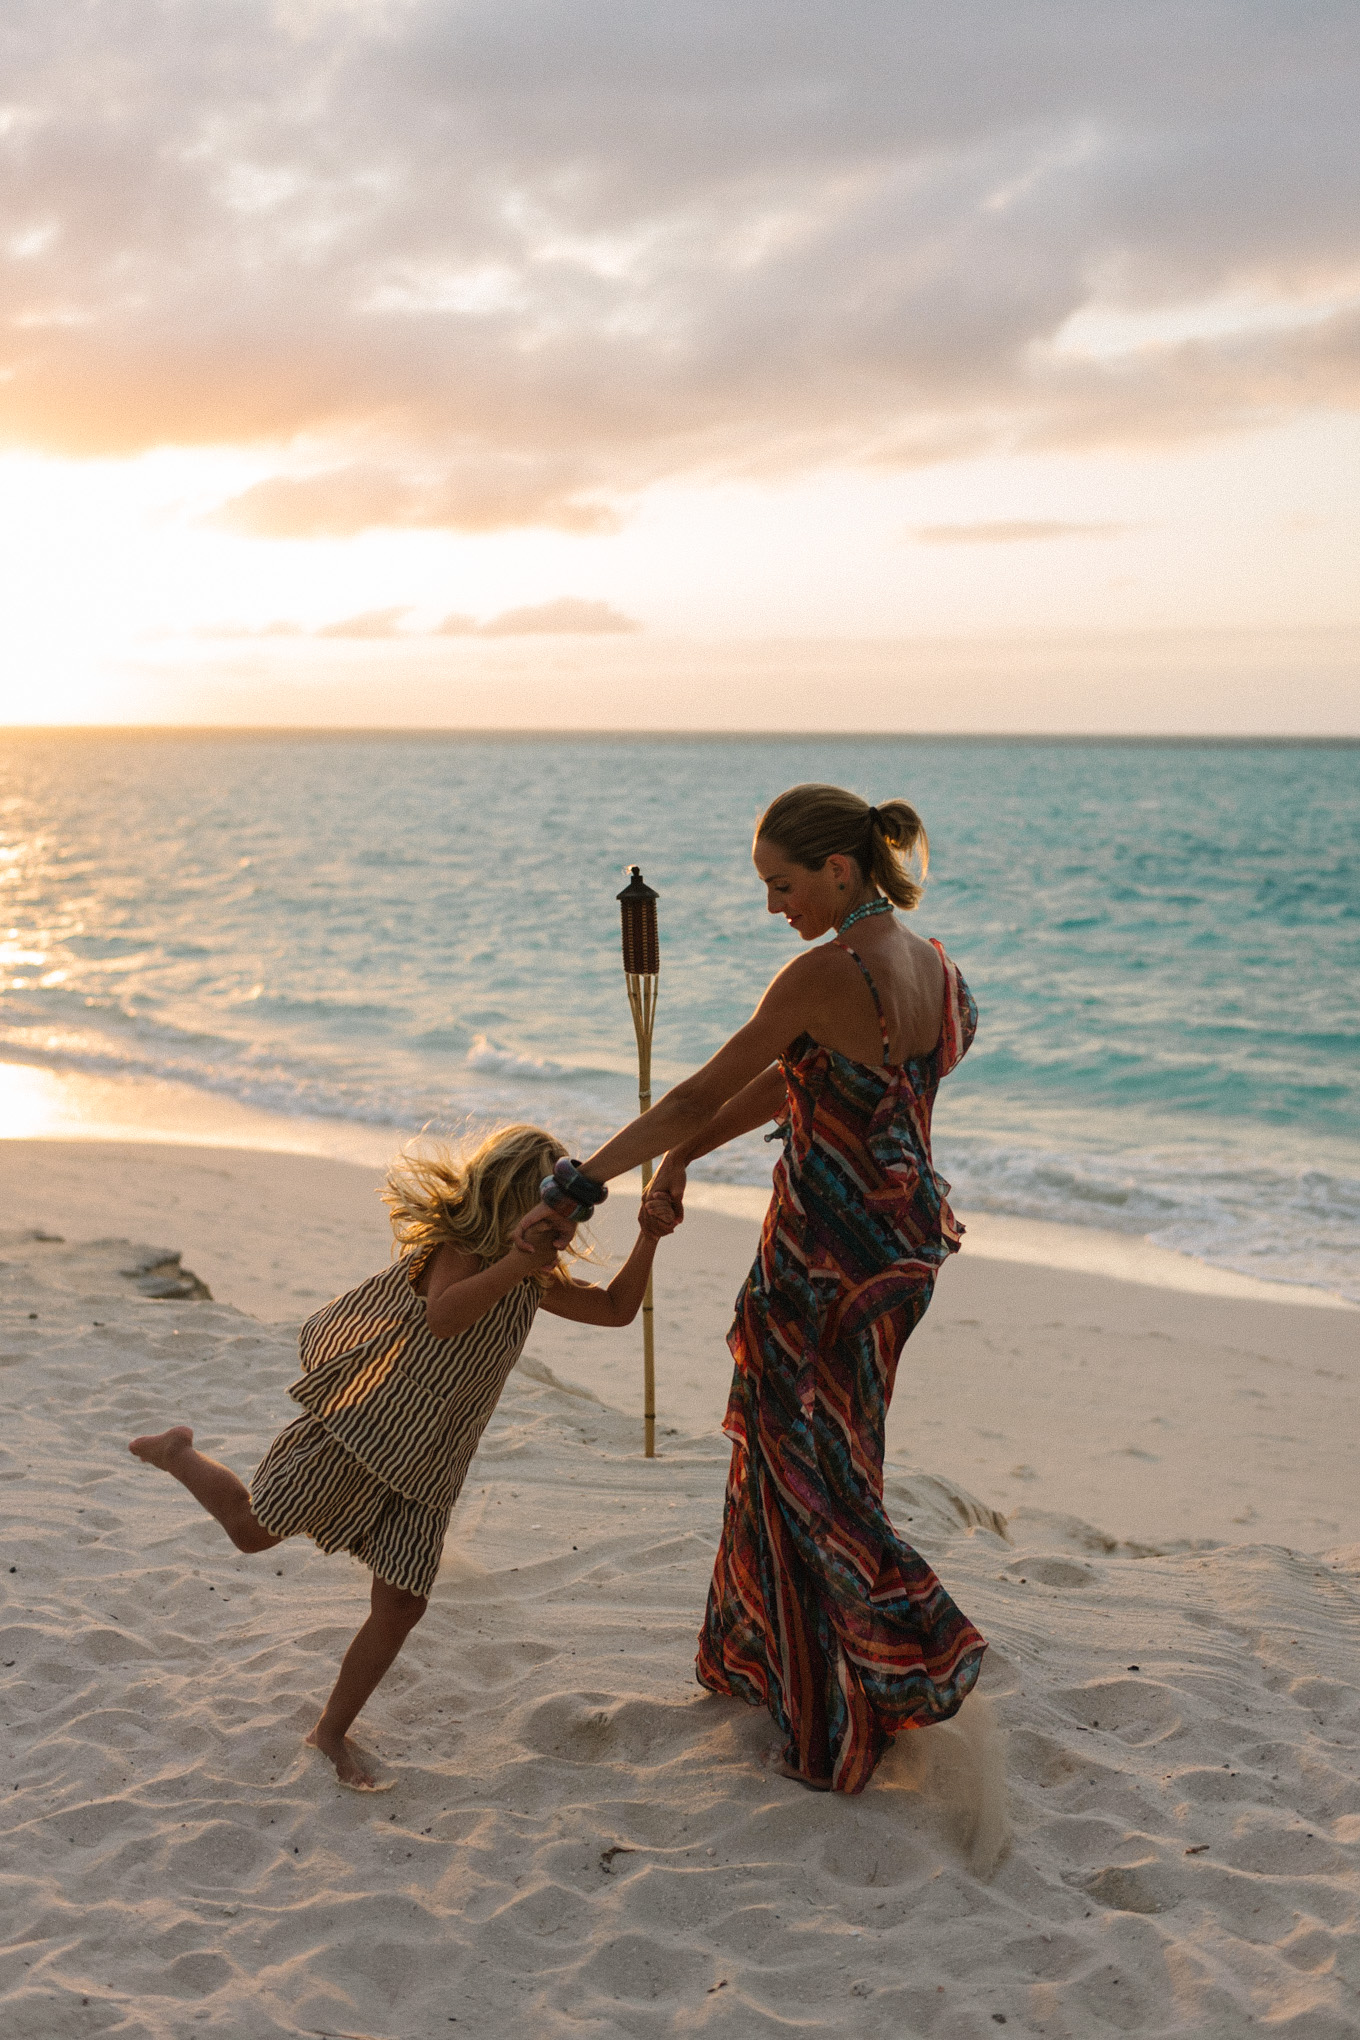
(392, 1418)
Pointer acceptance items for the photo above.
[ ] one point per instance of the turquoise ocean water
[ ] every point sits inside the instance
(1164, 940)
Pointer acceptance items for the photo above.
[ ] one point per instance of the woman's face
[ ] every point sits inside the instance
(810, 901)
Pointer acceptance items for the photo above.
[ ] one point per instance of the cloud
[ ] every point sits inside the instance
(280, 627)
(491, 495)
(371, 623)
(509, 263)
(1015, 532)
(568, 616)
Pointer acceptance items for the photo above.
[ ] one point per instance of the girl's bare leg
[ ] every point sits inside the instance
(214, 1486)
(394, 1614)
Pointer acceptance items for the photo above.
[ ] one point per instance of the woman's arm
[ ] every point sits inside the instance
(587, 1304)
(789, 1008)
(760, 1100)
(685, 1113)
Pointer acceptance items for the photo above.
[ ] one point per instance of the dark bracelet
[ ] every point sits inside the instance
(556, 1198)
(577, 1184)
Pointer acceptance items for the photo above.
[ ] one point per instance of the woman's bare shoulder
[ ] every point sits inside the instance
(924, 957)
(824, 964)
(797, 992)
(914, 964)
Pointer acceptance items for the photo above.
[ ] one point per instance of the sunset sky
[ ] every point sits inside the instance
(785, 364)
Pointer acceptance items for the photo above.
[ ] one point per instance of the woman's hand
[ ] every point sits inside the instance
(669, 1182)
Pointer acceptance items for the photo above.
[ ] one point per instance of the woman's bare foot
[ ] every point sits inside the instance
(353, 1767)
(158, 1448)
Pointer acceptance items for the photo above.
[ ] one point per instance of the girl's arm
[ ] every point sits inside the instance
(458, 1289)
(587, 1304)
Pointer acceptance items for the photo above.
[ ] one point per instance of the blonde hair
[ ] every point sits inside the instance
(811, 823)
(471, 1197)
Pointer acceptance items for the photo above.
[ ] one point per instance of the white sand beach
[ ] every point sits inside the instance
(1147, 1820)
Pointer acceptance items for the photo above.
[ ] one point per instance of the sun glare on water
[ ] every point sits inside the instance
(34, 1104)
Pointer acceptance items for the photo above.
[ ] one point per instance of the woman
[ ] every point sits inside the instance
(818, 1609)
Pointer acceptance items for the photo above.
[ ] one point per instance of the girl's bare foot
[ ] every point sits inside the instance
(158, 1448)
(353, 1767)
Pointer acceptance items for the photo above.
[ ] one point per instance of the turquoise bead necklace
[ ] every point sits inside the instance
(874, 906)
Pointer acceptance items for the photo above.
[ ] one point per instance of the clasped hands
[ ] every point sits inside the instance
(661, 1211)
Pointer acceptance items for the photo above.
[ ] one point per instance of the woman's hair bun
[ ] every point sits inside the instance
(814, 822)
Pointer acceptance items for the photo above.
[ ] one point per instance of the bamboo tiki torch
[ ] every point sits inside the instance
(641, 963)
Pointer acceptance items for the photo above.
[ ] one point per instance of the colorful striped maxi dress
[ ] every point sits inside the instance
(818, 1610)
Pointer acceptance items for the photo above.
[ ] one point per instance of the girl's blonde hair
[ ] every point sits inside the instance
(811, 823)
(471, 1197)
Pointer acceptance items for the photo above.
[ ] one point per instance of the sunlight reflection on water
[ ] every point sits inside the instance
(39, 1104)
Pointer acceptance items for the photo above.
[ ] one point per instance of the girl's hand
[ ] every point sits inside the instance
(542, 1216)
(539, 1246)
(669, 1182)
(657, 1216)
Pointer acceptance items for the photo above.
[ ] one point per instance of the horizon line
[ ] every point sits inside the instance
(622, 734)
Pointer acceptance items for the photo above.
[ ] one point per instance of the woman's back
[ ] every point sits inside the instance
(909, 977)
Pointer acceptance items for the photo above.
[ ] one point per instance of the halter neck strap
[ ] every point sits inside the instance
(873, 991)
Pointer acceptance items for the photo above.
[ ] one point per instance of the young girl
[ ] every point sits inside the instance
(399, 1380)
